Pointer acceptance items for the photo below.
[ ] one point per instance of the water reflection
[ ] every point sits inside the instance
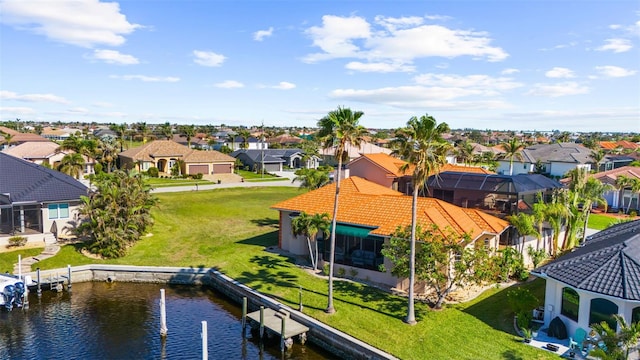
(122, 321)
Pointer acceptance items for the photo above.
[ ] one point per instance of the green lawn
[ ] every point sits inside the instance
(252, 176)
(601, 222)
(7, 259)
(160, 182)
(230, 229)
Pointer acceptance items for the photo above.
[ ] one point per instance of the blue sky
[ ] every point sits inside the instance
(502, 65)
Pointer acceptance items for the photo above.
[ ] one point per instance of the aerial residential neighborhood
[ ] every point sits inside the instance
(320, 180)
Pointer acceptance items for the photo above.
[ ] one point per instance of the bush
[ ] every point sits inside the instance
(353, 272)
(325, 268)
(633, 213)
(97, 168)
(153, 172)
(198, 176)
(342, 272)
(16, 241)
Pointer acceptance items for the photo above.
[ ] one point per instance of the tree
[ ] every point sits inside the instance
(244, 135)
(538, 210)
(167, 130)
(443, 259)
(524, 225)
(8, 138)
(593, 193)
(311, 179)
(188, 131)
(556, 212)
(512, 149)
(421, 144)
(143, 130)
(338, 129)
(72, 165)
(612, 344)
(622, 183)
(597, 156)
(116, 214)
(464, 151)
(310, 226)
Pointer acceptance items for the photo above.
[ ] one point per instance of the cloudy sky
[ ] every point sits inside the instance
(503, 65)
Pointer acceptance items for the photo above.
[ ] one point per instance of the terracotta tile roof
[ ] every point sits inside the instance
(18, 137)
(610, 145)
(365, 203)
(166, 148)
(610, 176)
(389, 163)
(465, 169)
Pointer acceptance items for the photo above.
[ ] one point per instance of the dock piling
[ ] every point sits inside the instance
(38, 279)
(244, 314)
(68, 277)
(300, 307)
(205, 351)
(282, 333)
(19, 267)
(163, 315)
(261, 322)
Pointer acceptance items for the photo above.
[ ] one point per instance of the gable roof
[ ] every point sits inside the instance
(610, 176)
(25, 181)
(18, 137)
(611, 145)
(393, 166)
(365, 203)
(608, 263)
(354, 152)
(169, 148)
(33, 150)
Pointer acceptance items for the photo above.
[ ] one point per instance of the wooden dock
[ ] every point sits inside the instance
(275, 321)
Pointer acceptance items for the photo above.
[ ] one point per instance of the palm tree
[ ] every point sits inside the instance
(72, 165)
(512, 149)
(338, 129)
(143, 129)
(311, 179)
(8, 138)
(538, 210)
(622, 183)
(597, 156)
(244, 135)
(556, 212)
(167, 130)
(310, 226)
(188, 131)
(232, 139)
(420, 143)
(464, 151)
(525, 226)
(593, 193)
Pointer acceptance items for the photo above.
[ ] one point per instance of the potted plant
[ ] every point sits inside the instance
(526, 334)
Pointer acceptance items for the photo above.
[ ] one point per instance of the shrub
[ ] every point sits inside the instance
(521, 300)
(342, 272)
(325, 268)
(633, 213)
(198, 176)
(153, 172)
(16, 241)
(97, 168)
(353, 272)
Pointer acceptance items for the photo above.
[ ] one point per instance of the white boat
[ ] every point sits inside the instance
(12, 290)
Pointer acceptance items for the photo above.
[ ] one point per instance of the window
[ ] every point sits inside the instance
(635, 314)
(58, 211)
(603, 310)
(570, 303)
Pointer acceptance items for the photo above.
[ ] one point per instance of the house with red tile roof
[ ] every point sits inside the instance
(368, 213)
(620, 199)
(622, 144)
(387, 170)
(163, 154)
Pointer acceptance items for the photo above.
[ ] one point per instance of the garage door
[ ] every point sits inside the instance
(222, 169)
(198, 169)
(272, 167)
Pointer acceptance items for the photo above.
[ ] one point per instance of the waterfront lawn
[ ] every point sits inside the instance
(601, 222)
(234, 231)
(8, 259)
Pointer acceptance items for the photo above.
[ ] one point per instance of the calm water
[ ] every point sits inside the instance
(122, 321)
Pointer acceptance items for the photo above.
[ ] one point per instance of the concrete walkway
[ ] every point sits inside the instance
(49, 251)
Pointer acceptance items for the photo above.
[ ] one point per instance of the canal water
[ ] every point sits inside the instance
(99, 320)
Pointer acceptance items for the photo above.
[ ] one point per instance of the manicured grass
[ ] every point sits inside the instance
(232, 230)
(601, 222)
(252, 176)
(7, 259)
(160, 182)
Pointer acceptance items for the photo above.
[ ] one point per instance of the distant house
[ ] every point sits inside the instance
(549, 159)
(368, 214)
(328, 154)
(285, 140)
(620, 199)
(163, 154)
(36, 202)
(622, 145)
(58, 134)
(105, 134)
(47, 153)
(275, 159)
(386, 170)
(17, 137)
(596, 280)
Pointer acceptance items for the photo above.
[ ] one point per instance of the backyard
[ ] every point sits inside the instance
(234, 231)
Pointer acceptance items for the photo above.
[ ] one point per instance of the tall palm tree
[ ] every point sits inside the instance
(512, 149)
(420, 143)
(597, 156)
(538, 210)
(311, 179)
(556, 213)
(524, 225)
(188, 131)
(72, 165)
(339, 129)
(593, 193)
(167, 130)
(143, 130)
(622, 183)
(634, 185)
(310, 226)
(244, 135)
(464, 151)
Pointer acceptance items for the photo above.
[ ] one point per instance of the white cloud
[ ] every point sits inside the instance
(396, 41)
(558, 90)
(379, 67)
(283, 85)
(208, 58)
(616, 45)
(480, 84)
(114, 57)
(146, 78)
(17, 111)
(509, 71)
(102, 104)
(419, 97)
(614, 71)
(83, 23)
(229, 84)
(560, 73)
(9, 95)
(261, 34)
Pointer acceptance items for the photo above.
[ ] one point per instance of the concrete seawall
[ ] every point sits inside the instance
(339, 343)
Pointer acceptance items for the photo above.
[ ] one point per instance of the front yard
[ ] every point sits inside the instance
(232, 229)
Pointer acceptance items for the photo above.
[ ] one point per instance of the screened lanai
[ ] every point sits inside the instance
(500, 195)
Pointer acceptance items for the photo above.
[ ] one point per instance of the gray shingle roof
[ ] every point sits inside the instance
(562, 152)
(25, 181)
(608, 263)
